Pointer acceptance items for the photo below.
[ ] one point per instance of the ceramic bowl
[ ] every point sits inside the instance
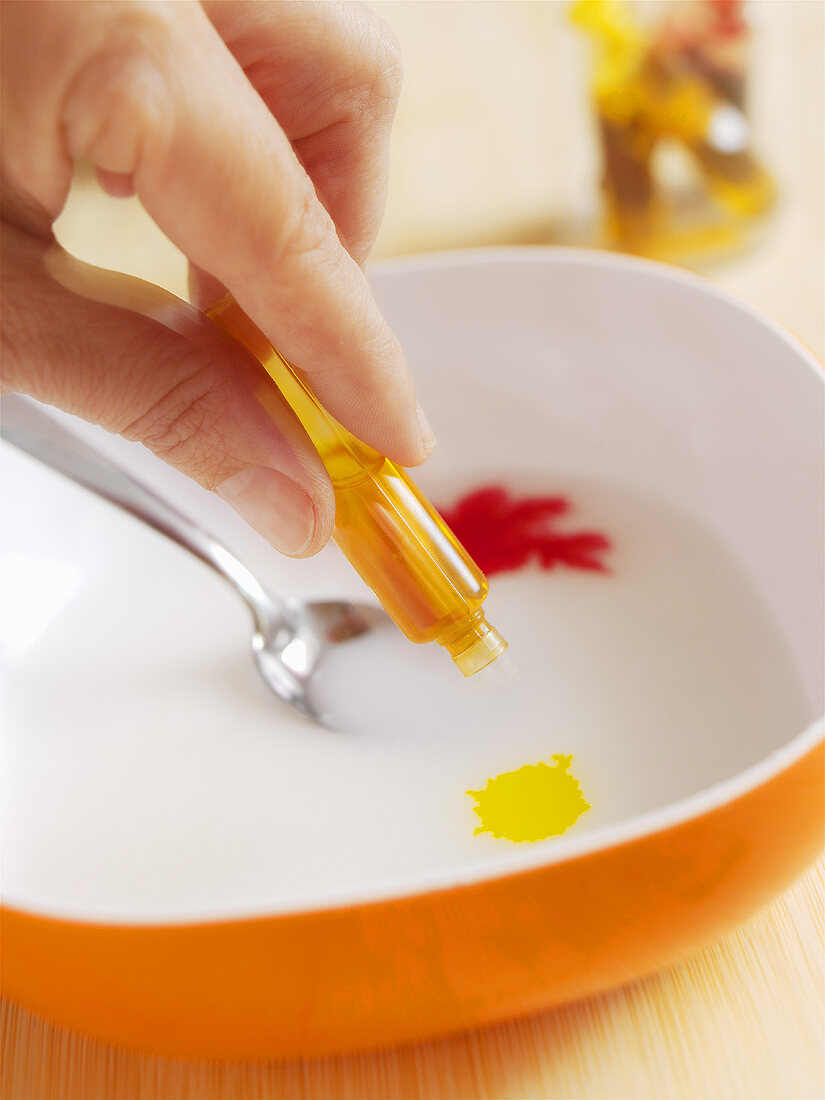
(190, 868)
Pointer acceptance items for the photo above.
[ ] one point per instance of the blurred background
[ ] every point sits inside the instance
(500, 139)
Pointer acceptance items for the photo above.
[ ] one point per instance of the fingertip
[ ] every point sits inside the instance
(120, 185)
(322, 500)
(275, 506)
(204, 289)
(420, 443)
(427, 433)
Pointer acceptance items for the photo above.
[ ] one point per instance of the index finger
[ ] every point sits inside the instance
(159, 97)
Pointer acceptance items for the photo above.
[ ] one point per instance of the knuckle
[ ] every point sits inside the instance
(120, 97)
(389, 371)
(185, 426)
(388, 68)
(307, 232)
(378, 75)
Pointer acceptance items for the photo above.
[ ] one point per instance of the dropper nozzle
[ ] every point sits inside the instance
(474, 644)
(395, 539)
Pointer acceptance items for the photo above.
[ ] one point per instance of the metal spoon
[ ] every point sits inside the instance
(290, 635)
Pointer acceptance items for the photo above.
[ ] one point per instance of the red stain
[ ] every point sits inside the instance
(504, 534)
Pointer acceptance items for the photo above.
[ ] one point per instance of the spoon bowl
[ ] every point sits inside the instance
(290, 636)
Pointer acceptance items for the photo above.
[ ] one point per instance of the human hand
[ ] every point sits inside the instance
(255, 134)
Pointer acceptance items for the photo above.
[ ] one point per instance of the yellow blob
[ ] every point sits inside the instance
(531, 803)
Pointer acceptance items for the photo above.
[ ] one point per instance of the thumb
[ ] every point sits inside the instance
(141, 363)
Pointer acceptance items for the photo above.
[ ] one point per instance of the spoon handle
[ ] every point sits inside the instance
(27, 427)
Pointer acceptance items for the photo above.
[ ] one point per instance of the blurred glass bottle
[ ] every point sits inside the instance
(677, 81)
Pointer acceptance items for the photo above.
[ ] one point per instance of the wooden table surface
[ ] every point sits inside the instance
(744, 1019)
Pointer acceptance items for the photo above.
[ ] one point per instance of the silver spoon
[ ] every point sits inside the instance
(290, 636)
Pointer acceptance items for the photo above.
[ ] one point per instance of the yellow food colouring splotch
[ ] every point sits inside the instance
(530, 803)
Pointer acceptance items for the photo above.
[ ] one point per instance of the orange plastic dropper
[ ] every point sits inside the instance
(395, 539)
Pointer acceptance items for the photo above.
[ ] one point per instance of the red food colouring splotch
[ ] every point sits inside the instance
(502, 533)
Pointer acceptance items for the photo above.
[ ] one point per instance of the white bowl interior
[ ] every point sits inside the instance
(148, 774)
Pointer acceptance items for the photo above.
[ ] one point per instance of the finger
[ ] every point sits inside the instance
(159, 97)
(167, 377)
(331, 76)
(204, 289)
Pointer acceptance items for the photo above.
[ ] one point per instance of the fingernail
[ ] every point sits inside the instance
(274, 505)
(427, 433)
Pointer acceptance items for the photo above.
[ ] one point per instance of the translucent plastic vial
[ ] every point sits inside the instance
(395, 539)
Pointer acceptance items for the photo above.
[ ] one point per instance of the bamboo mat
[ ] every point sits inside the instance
(741, 1020)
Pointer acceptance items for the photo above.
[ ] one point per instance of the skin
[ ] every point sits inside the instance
(256, 136)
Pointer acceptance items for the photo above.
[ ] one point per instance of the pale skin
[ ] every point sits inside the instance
(256, 135)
